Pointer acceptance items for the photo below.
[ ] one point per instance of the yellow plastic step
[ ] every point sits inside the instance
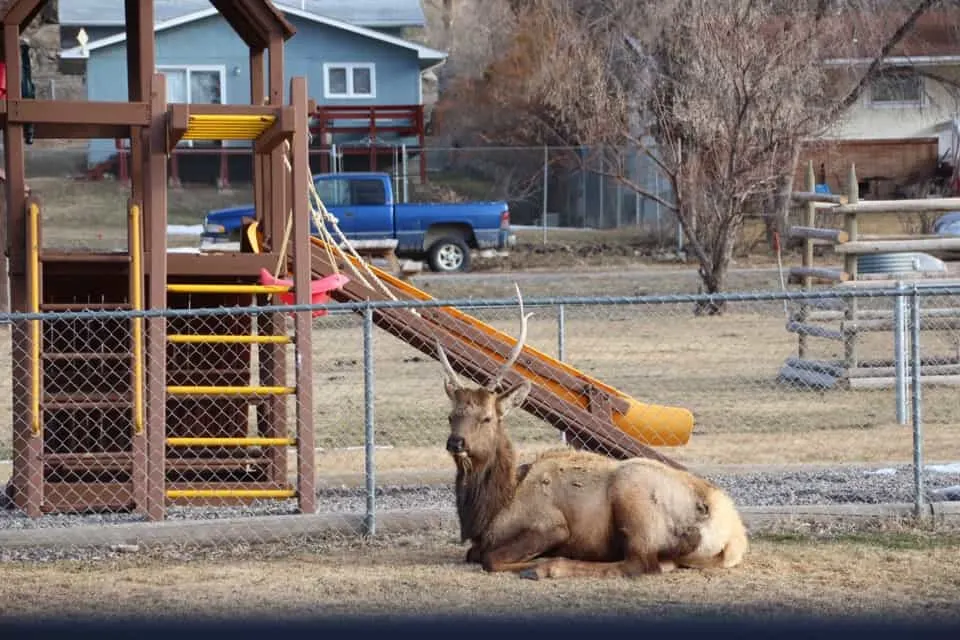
(227, 288)
(176, 338)
(231, 493)
(229, 391)
(230, 442)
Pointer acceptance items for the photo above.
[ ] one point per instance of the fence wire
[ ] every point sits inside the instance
(772, 425)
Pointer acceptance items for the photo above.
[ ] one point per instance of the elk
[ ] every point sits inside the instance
(575, 513)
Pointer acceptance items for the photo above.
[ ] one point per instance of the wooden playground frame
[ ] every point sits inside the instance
(154, 450)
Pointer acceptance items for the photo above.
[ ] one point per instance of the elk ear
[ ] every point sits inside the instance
(450, 387)
(512, 397)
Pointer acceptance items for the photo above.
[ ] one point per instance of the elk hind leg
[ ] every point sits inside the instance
(645, 531)
(567, 568)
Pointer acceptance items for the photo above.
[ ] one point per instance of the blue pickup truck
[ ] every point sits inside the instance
(366, 209)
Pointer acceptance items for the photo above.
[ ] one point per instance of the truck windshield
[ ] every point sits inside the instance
(345, 192)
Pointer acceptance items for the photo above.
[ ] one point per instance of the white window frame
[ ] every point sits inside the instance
(189, 68)
(921, 101)
(349, 67)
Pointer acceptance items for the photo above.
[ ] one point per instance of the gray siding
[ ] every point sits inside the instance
(211, 41)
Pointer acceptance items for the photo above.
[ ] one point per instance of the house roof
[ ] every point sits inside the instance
(366, 13)
(935, 39)
(428, 56)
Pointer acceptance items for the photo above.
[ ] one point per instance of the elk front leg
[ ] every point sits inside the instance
(519, 553)
(474, 555)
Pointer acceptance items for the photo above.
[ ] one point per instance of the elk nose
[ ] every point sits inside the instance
(455, 444)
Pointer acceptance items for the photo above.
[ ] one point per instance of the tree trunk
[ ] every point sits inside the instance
(713, 279)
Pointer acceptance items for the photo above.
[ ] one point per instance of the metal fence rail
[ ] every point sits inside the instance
(772, 428)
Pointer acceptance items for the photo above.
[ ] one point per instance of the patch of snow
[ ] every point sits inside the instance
(886, 471)
(537, 227)
(183, 250)
(953, 467)
(948, 493)
(184, 229)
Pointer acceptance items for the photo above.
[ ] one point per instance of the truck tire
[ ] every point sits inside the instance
(449, 254)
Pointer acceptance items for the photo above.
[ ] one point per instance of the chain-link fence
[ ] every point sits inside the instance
(573, 187)
(234, 436)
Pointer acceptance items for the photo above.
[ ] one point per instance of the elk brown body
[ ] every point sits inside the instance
(576, 513)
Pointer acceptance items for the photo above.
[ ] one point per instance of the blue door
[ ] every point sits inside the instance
(361, 205)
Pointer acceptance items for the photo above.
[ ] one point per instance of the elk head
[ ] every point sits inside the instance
(476, 416)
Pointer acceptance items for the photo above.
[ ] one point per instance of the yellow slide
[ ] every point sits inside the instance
(651, 424)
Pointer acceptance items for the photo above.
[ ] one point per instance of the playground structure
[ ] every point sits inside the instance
(113, 413)
(844, 319)
(132, 413)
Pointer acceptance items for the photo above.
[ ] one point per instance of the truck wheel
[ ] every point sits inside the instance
(449, 254)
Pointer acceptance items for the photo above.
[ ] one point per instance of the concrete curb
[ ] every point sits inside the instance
(276, 529)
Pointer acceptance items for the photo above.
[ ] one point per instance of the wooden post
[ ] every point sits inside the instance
(155, 213)
(140, 67)
(27, 450)
(850, 266)
(306, 466)
(276, 206)
(258, 93)
(810, 220)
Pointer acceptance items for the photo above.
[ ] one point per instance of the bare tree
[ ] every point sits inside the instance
(720, 94)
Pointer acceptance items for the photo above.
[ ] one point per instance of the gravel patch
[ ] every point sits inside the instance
(813, 487)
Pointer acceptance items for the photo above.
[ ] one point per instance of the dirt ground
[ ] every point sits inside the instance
(897, 574)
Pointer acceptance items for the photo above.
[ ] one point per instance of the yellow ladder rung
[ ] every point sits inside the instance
(231, 493)
(229, 391)
(226, 339)
(228, 288)
(231, 442)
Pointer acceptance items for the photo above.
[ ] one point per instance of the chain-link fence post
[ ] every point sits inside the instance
(916, 400)
(546, 189)
(900, 353)
(368, 422)
(562, 345)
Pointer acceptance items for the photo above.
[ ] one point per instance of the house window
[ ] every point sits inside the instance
(199, 84)
(349, 80)
(899, 87)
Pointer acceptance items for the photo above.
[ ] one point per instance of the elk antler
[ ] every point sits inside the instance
(517, 348)
(447, 367)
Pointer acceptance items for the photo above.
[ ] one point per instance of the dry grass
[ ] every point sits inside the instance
(894, 574)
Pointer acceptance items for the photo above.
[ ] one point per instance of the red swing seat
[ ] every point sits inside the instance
(319, 289)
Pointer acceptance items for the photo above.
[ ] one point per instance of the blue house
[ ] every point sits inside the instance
(366, 80)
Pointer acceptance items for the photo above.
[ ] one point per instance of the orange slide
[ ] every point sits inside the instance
(651, 424)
